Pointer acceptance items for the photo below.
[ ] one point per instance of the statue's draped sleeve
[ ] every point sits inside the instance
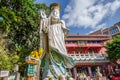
(43, 36)
(65, 30)
(43, 25)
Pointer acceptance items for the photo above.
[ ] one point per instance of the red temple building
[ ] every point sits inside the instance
(88, 53)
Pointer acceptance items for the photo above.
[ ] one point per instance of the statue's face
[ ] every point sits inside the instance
(55, 13)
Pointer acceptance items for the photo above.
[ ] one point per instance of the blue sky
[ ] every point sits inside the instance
(86, 16)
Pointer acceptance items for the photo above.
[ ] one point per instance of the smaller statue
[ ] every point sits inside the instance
(82, 76)
(98, 74)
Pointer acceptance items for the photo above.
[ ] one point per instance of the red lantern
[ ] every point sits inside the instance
(118, 61)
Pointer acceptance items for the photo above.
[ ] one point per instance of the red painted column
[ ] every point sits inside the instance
(89, 71)
(75, 72)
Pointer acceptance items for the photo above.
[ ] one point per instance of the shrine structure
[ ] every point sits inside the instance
(88, 52)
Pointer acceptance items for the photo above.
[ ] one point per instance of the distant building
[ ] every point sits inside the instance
(88, 53)
(113, 31)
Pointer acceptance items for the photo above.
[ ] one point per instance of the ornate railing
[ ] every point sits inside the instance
(88, 57)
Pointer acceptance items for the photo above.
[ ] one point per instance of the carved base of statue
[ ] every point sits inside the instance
(55, 66)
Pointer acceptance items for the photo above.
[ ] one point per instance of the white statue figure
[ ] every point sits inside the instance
(53, 30)
(98, 74)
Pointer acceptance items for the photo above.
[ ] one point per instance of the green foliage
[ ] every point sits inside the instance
(7, 60)
(6, 23)
(113, 49)
(43, 7)
(20, 26)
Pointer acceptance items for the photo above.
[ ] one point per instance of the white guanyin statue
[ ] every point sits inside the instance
(52, 32)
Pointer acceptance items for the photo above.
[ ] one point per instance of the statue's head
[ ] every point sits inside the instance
(54, 5)
(55, 10)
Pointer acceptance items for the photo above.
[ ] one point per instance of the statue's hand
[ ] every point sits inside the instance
(43, 15)
(46, 29)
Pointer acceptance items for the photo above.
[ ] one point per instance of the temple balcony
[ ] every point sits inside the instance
(92, 57)
(95, 44)
(84, 45)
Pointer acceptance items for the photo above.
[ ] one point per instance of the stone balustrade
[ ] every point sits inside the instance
(87, 56)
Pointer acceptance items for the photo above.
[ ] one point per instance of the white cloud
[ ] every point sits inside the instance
(89, 13)
(115, 5)
(101, 26)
